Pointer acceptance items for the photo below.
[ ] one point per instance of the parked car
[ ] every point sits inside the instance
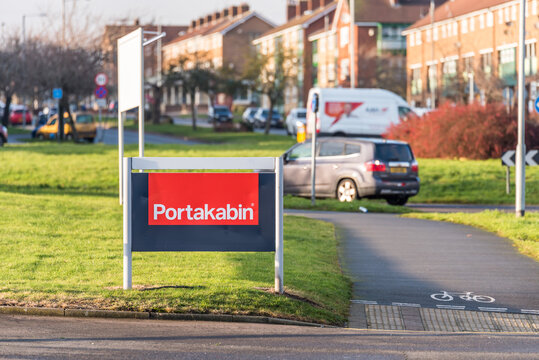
(295, 115)
(3, 135)
(220, 113)
(248, 115)
(84, 124)
(359, 112)
(350, 168)
(261, 117)
(15, 118)
(42, 120)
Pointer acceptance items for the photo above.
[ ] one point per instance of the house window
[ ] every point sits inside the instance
(418, 38)
(468, 66)
(344, 34)
(482, 21)
(534, 7)
(464, 26)
(506, 14)
(514, 13)
(412, 39)
(486, 63)
(432, 83)
(428, 33)
(435, 35)
(345, 69)
(416, 86)
(530, 61)
(455, 29)
(444, 34)
(507, 66)
(490, 19)
(472, 24)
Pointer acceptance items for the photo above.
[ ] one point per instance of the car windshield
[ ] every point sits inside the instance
(220, 110)
(393, 152)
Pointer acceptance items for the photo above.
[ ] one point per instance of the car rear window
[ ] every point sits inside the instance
(393, 152)
(301, 114)
(85, 119)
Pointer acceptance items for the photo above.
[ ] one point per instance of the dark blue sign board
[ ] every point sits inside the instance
(147, 237)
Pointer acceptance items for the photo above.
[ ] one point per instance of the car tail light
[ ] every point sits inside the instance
(415, 166)
(376, 165)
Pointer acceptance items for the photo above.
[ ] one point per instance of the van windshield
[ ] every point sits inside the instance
(393, 152)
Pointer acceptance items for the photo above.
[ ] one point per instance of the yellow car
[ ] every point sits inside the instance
(84, 124)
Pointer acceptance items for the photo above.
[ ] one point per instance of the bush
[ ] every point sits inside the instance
(467, 131)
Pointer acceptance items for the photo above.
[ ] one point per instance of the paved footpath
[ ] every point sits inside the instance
(423, 275)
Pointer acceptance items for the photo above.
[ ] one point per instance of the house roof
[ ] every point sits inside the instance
(456, 8)
(305, 19)
(381, 11)
(221, 26)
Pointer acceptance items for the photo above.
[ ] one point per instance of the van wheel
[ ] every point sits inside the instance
(346, 190)
(41, 136)
(398, 200)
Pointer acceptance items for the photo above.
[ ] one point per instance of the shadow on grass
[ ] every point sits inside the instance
(45, 189)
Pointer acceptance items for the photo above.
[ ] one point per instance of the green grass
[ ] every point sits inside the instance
(13, 130)
(471, 182)
(61, 244)
(524, 232)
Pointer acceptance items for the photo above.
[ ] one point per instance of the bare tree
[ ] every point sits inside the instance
(10, 73)
(270, 75)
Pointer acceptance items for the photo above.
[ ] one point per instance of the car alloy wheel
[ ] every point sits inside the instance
(346, 190)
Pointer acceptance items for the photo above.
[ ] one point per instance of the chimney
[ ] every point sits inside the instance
(313, 5)
(243, 8)
(301, 7)
(290, 10)
(193, 25)
(233, 11)
(200, 22)
(216, 16)
(225, 13)
(209, 19)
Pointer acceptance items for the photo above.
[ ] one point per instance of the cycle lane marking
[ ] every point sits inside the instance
(491, 309)
(451, 307)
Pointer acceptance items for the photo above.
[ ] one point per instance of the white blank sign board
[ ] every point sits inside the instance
(130, 70)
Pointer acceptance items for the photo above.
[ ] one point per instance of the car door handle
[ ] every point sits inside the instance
(335, 166)
(305, 168)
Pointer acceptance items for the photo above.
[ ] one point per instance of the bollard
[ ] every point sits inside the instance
(300, 134)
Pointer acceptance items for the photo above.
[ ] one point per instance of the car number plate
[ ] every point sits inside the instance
(398, 170)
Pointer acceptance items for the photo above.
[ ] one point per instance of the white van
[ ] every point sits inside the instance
(365, 112)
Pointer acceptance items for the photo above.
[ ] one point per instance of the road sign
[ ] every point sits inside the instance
(101, 79)
(57, 93)
(101, 103)
(532, 158)
(100, 92)
(537, 104)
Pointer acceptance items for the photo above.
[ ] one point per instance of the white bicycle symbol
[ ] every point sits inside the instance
(467, 296)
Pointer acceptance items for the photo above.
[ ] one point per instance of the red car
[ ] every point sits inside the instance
(15, 118)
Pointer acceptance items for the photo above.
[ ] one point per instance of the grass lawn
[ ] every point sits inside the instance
(62, 244)
(523, 231)
(471, 182)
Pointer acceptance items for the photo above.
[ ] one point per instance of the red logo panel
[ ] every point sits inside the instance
(202, 199)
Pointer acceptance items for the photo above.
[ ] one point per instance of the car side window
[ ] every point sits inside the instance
(299, 152)
(331, 148)
(350, 149)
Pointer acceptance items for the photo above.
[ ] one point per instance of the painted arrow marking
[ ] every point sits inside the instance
(507, 158)
(530, 157)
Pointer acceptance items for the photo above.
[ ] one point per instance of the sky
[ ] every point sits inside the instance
(168, 12)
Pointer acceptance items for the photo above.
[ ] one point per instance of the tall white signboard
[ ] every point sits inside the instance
(130, 89)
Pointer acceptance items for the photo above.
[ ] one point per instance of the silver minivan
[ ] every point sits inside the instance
(350, 168)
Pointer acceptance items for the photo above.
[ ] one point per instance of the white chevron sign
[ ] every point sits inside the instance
(532, 158)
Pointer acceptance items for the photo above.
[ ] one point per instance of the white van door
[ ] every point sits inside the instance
(341, 116)
(377, 116)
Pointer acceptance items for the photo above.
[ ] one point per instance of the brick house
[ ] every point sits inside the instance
(224, 39)
(378, 45)
(469, 53)
(304, 18)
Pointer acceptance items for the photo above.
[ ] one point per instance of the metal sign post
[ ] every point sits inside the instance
(245, 214)
(520, 183)
(314, 108)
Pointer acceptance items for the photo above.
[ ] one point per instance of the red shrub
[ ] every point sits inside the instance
(468, 131)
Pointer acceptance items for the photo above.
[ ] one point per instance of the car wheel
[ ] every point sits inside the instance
(398, 200)
(2, 141)
(346, 190)
(258, 124)
(90, 139)
(69, 137)
(41, 136)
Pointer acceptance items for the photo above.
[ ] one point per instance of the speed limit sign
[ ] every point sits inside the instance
(101, 79)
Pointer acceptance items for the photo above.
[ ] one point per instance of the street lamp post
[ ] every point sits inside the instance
(432, 91)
